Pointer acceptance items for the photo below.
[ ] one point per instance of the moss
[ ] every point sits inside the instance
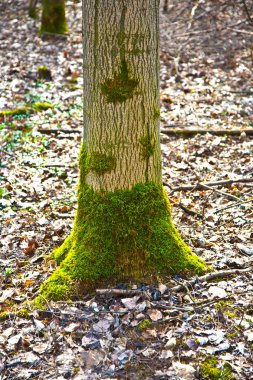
(101, 163)
(156, 113)
(38, 106)
(73, 80)
(57, 287)
(44, 73)
(23, 313)
(121, 87)
(39, 303)
(148, 148)
(53, 17)
(210, 370)
(144, 324)
(3, 315)
(120, 235)
(17, 111)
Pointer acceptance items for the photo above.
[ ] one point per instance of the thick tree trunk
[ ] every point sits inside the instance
(121, 91)
(53, 17)
(123, 228)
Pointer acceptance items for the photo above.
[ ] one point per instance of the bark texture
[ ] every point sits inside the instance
(121, 91)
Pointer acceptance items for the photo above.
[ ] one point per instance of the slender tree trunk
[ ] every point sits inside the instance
(53, 17)
(32, 10)
(123, 228)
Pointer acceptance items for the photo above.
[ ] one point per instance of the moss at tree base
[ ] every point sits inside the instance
(121, 235)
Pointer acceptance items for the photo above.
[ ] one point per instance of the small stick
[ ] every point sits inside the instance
(229, 196)
(213, 275)
(217, 132)
(201, 185)
(188, 211)
(230, 206)
(49, 131)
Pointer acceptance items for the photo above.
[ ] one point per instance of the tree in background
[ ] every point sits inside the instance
(123, 228)
(53, 17)
(32, 8)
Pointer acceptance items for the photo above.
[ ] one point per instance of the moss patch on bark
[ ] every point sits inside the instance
(148, 147)
(101, 163)
(120, 235)
(121, 87)
(53, 17)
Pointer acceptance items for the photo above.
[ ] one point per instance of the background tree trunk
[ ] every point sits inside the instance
(53, 17)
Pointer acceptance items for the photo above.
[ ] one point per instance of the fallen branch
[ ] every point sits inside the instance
(49, 131)
(212, 276)
(233, 205)
(188, 211)
(217, 132)
(229, 196)
(201, 186)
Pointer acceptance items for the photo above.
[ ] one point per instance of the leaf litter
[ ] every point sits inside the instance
(157, 333)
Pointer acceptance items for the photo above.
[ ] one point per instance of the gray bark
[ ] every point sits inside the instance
(121, 42)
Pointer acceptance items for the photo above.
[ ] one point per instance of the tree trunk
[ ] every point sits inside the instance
(53, 17)
(123, 228)
(32, 10)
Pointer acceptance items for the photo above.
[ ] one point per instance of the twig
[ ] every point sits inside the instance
(247, 11)
(49, 131)
(241, 31)
(248, 92)
(213, 275)
(217, 132)
(193, 11)
(200, 186)
(188, 211)
(230, 206)
(229, 196)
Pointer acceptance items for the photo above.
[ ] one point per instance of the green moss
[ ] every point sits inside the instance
(38, 106)
(223, 304)
(156, 113)
(144, 324)
(42, 68)
(3, 315)
(101, 163)
(73, 80)
(23, 313)
(17, 111)
(53, 17)
(121, 87)
(120, 235)
(44, 73)
(39, 303)
(211, 371)
(148, 148)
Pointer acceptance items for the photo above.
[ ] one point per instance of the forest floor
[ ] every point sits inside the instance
(202, 330)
